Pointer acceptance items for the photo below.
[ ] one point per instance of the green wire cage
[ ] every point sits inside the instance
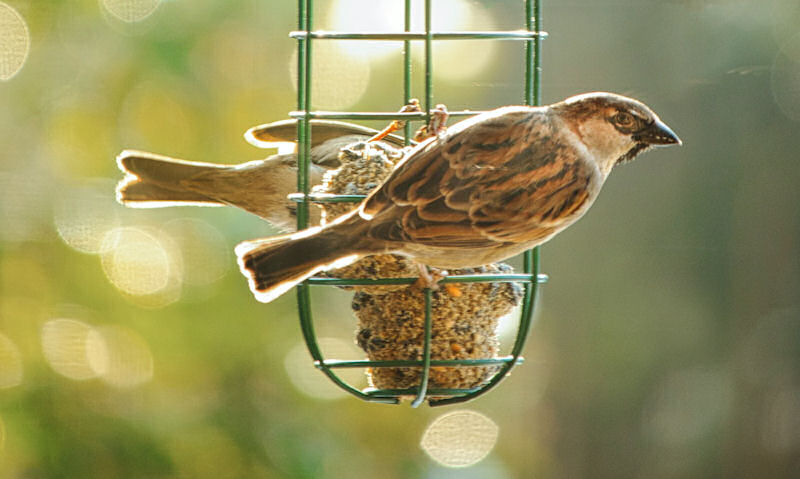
(530, 278)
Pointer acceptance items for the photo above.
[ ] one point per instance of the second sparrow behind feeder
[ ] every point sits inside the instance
(259, 187)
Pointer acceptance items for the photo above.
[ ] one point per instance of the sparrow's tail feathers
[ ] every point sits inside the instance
(140, 194)
(275, 265)
(155, 181)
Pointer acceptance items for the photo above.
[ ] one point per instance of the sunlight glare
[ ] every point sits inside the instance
(461, 60)
(369, 18)
(446, 15)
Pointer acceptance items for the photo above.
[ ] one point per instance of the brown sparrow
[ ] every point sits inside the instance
(486, 189)
(259, 187)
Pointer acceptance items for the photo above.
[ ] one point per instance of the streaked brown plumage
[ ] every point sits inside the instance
(259, 187)
(490, 187)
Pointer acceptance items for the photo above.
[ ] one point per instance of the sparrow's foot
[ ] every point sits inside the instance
(430, 277)
(437, 124)
(412, 107)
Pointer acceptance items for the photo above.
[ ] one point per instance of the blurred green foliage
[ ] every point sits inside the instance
(667, 342)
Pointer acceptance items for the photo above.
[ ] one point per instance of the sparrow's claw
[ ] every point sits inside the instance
(437, 124)
(430, 277)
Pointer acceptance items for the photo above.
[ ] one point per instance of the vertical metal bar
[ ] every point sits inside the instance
(426, 351)
(305, 22)
(301, 56)
(303, 140)
(426, 358)
(407, 69)
(428, 58)
(303, 159)
(537, 56)
(304, 104)
(529, 54)
(530, 261)
(532, 97)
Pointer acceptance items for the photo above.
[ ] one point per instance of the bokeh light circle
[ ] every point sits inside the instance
(450, 57)
(387, 18)
(785, 78)
(687, 405)
(10, 363)
(780, 425)
(460, 438)
(25, 204)
(119, 356)
(14, 42)
(162, 97)
(340, 76)
(64, 344)
(130, 11)
(135, 261)
(84, 215)
(203, 248)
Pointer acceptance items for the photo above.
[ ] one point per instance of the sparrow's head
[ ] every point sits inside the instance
(614, 128)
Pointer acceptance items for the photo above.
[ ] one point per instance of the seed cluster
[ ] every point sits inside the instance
(463, 326)
(363, 166)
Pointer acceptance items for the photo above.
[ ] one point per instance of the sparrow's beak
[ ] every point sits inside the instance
(657, 134)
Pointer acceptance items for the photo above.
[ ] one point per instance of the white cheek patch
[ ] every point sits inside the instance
(603, 140)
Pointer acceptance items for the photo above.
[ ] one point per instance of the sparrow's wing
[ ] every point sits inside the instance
(285, 131)
(326, 154)
(478, 185)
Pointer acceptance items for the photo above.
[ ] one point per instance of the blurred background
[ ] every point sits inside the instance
(666, 345)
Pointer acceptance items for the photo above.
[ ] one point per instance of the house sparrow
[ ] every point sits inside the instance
(259, 187)
(488, 188)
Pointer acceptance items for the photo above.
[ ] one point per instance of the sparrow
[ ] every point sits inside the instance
(485, 189)
(259, 187)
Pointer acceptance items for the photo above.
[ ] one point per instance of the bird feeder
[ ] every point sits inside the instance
(530, 278)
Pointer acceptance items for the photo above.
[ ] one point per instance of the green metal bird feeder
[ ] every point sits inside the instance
(530, 278)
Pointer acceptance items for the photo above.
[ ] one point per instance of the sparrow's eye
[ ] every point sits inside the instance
(624, 119)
